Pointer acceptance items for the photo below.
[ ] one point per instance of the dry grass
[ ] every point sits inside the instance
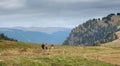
(106, 54)
(109, 53)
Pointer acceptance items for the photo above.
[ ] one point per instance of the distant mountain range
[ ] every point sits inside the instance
(95, 31)
(37, 34)
(48, 30)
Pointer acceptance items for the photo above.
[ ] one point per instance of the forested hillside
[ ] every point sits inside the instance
(3, 37)
(95, 31)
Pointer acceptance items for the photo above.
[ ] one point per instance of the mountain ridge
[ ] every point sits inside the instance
(48, 30)
(95, 31)
(36, 36)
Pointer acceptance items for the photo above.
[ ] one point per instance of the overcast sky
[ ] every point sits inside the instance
(53, 13)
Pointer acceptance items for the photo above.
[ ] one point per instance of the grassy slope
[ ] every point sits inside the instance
(12, 44)
(26, 54)
(115, 43)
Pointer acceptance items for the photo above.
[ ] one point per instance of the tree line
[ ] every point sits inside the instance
(4, 37)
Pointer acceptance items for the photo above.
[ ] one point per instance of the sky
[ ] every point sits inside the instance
(53, 13)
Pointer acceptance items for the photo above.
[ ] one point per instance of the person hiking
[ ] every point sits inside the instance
(52, 46)
(46, 46)
(43, 46)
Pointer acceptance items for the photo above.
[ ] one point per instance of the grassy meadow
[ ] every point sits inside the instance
(27, 54)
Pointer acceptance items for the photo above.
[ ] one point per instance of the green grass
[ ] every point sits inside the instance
(27, 54)
(12, 44)
(51, 61)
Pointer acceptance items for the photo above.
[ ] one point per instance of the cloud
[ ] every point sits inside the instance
(48, 13)
(73, 1)
(11, 4)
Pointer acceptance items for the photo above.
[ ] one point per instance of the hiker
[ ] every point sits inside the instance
(43, 46)
(52, 46)
(46, 46)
